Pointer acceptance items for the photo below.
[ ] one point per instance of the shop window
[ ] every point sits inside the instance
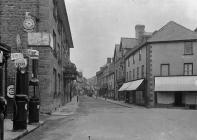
(188, 48)
(188, 69)
(165, 70)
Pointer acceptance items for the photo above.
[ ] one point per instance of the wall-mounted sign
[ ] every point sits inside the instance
(34, 54)
(28, 23)
(15, 56)
(1, 57)
(18, 41)
(10, 91)
(20, 63)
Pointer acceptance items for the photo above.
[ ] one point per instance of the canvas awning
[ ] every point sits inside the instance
(124, 87)
(133, 85)
(178, 83)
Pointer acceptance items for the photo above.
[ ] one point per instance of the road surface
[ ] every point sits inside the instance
(100, 120)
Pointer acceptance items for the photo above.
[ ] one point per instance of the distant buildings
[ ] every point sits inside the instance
(159, 69)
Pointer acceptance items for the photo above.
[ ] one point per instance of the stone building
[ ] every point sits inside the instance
(164, 68)
(46, 30)
(120, 51)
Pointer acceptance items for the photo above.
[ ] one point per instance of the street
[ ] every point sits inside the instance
(103, 120)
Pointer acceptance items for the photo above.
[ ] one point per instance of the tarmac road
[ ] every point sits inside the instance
(100, 120)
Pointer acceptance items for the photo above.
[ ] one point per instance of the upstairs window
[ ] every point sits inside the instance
(142, 69)
(55, 9)
(140, 54)
(165, 70)
(133, 59)
(138, 72)
(188, 69)
(133, 74)
(188, 48)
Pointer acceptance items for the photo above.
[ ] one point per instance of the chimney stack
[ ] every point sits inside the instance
(139, 32)
(108, 60)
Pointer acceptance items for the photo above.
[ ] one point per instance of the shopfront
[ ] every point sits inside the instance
(176, 91)
(134, 92)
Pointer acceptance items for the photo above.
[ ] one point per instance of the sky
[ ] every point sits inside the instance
(97, 25)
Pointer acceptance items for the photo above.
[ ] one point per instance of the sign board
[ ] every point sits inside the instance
(28, 23)
(1, 57)
(22, 63)
(15, 56)
(34, 54)
(18, 41)
(10, 91)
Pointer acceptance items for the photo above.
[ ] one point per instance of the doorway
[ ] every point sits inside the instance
(178, 99)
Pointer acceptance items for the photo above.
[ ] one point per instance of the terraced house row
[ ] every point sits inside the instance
(155, 69)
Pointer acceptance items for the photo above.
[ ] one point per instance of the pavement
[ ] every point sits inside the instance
(121, 103)
(66, 110)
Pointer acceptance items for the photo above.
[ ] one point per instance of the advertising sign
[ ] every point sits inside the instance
(21, 63)
(10, 91)
(15, 56)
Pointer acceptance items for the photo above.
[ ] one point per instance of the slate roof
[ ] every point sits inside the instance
(128, 42)
(117, 52)
(173, 31)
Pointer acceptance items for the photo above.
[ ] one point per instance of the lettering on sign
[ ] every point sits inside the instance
(20, 63)
(34, 54)
(10, 91)
(1, 57)
(15, 56)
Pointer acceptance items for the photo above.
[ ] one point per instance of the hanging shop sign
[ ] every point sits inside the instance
(20, 63)
(1, 57)
(28, 23)
(34, 54)
(18, 41)
(15, 56)
(10, 91)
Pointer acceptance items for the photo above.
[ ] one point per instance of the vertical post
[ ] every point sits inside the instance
(1, 126)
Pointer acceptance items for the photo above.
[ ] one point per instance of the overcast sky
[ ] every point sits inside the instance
(97, 25)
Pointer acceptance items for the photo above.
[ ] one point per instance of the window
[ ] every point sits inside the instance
(55, 10)
(188, 69)
(54, 82)
(188, 48)
(137, 72)
(128, 62)
(129, 75)
(59, 88)
(133, 59)
(133, 74)
(140, 54)
(142, 70)
(54, 40)
(165, 70)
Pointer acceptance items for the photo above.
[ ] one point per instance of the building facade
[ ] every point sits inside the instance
(50, 34)
(163, 68)
(126, 44)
